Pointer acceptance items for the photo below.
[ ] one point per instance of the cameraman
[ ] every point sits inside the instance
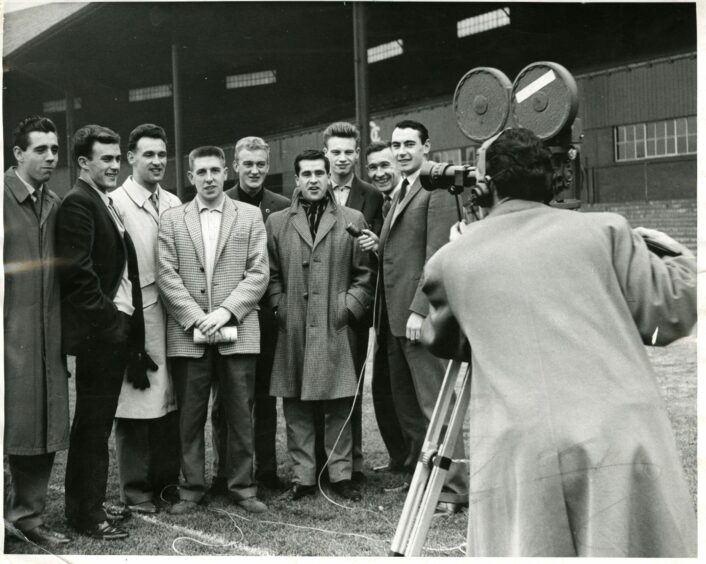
(572, 450)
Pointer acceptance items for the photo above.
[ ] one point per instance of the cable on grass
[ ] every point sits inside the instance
(14, 531)
(461, 548)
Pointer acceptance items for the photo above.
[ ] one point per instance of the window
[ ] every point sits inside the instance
(483, 22)
(251, 79)
(150, 93)
(385, 51)
(56, 106)
(655, 139)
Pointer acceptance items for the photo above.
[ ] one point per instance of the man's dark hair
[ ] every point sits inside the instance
(311, 155)
(520, 166)
(86, 136)
(206, 151)
(342, 129)
(376, 146)
(145, 130)
(411, 124)
(20, 135)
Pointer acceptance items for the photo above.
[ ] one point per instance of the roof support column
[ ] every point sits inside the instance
(176, 101)
(360, 57)
(70, 126)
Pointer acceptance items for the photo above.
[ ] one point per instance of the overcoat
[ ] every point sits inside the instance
(240, 275)
(314, 285)
(571, 449)
(142, 222)
(36, 396)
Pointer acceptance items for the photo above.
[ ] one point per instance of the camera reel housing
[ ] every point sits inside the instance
(543, 98)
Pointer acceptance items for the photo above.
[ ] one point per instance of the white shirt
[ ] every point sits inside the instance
(342, 192)
(411, 179)
(210, 230)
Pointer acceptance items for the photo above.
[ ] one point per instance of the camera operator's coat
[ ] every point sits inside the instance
(314, 284)
(572, 451)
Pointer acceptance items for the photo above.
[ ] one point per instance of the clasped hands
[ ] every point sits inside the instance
(212, 322)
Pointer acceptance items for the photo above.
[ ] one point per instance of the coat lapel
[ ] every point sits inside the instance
(328, 220)
(301, 225)
(355, 197)
(193, 225)
(413, 190)
(230, 214)
(133, 192)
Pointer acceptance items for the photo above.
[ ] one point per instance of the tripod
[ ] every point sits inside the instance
(433, 464)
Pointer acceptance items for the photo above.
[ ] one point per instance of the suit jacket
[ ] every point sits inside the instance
(92, 254)
(314, 285)
(36, 390)
(365, 198)
(240, 275)
(572, 446)
(409, 236)
(271, 201)
(142, 222)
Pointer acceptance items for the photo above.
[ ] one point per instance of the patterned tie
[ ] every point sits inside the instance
(37, 202)
(386, 205)
(403, 190)
(154, 200)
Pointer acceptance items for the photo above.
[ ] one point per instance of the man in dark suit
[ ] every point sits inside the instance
(342, 148)
(251, 163)
(416, 227)
(102, 324)
(36, 390)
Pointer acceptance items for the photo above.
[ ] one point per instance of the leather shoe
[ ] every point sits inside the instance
(271, 482)
(145, 507)
(183, 507)
(251, 505)
(44, 535)
(116, 513)
(347, 490)
(105, 530)
(359, 478)
(299, 491)
(219, 486)
(446, 509)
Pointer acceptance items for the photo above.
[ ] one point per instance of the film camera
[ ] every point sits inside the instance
(543, 99)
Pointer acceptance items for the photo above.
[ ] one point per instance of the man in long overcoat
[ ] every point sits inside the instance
(320, 283)
(36, 391)
(572, 453)
(146, 423)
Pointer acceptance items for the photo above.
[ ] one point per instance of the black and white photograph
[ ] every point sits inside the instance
(350, 279)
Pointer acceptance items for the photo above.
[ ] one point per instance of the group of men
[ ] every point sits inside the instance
(236, 298)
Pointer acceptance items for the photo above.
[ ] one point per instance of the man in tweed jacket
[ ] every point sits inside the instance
(213, 271)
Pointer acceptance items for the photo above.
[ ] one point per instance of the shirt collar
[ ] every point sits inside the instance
(142, 194)
(203, 206)
(87, 179)
(31, 189)
(412, 178)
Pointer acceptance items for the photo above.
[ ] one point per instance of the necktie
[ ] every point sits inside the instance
(37, 202)
(155, 202)
(403, 190)
(386, 205)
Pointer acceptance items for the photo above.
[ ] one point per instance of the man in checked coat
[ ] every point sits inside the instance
(320, 285)
(213, 271)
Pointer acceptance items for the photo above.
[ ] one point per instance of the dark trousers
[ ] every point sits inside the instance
(99, 376)
(148, 456)
(385, 410)
(416, 377)
(359, 346)
(29, 479)
(338, 443)
(264, 417)
(193, 378)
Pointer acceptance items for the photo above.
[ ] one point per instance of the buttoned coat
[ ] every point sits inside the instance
(142, 222)
(36, 392)
(409, 236)
(315, 284)
(571, 448)
(240, 275)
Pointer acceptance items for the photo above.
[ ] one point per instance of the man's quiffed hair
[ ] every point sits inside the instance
(376, 147)
(342, 129)
(520, 166)
(311, 155)
(251, 144)
(206, 151)
(411, 124)
(86, 136)
(145, 130)
(20, 135)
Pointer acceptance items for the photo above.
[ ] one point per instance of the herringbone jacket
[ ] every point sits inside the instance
(240, 275)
